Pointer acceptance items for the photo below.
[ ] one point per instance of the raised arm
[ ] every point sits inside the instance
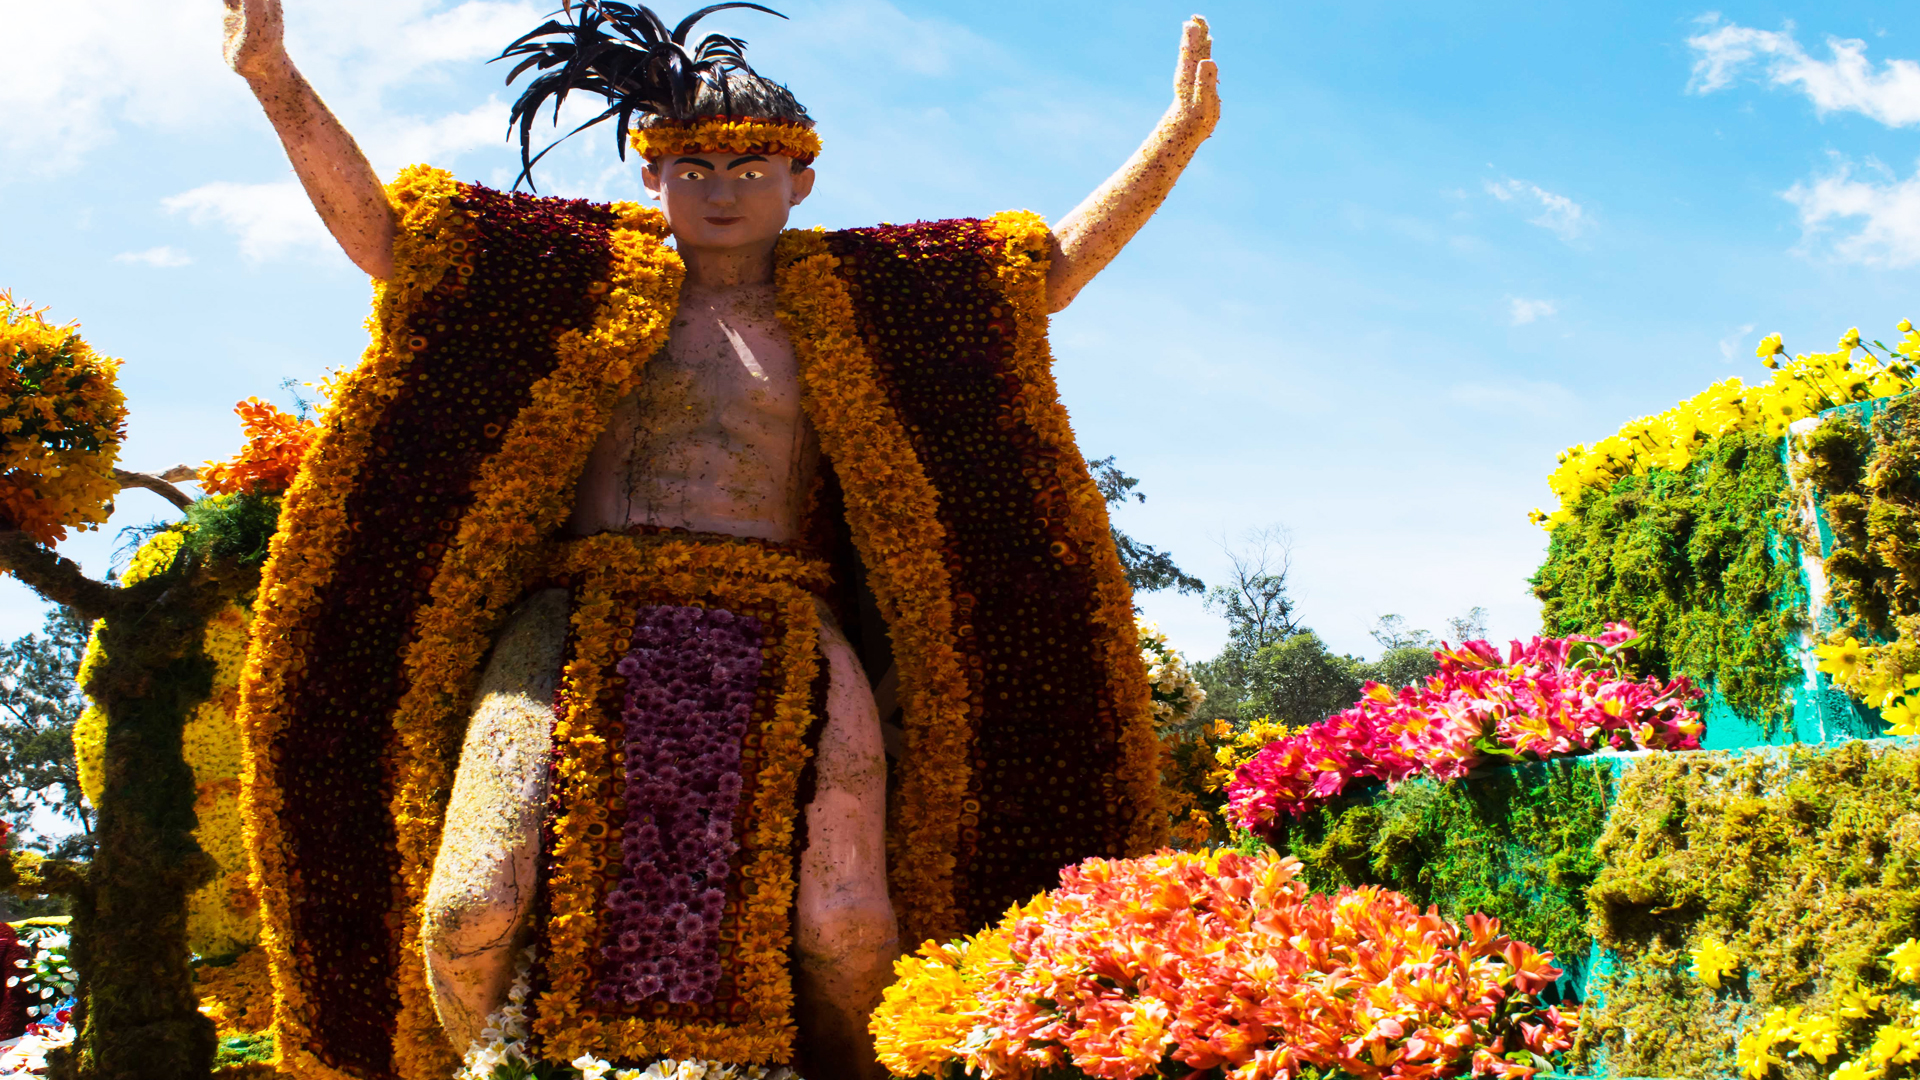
(1088, 238)
(342, 186)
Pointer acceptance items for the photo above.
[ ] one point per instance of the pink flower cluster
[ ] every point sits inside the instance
(1553, 697)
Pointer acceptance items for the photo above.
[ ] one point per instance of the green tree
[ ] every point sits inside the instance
(1148, 569)
(39, 703)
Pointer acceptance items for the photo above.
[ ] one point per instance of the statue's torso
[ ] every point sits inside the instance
(714, 440)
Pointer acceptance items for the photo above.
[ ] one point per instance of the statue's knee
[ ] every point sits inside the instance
(458, 924)
(850, 932)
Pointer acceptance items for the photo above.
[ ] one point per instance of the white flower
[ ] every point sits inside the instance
(591, 1068)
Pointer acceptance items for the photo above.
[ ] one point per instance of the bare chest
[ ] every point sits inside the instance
(713, 439)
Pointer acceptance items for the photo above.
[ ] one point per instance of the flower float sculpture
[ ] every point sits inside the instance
(1553, 697)
(1185, 963)
(61, 420)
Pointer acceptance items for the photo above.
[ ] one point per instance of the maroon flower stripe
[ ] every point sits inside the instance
(1045, 749)
(480, 341)
(690, 682)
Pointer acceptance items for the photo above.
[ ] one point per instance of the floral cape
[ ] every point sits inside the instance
(511, 326)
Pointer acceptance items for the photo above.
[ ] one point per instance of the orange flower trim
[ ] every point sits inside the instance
(62, 417)
(496, 547)
(611, 571)
(729, 134)
(300, 562)
(891, 509)
(1023, 276)
(276, 441)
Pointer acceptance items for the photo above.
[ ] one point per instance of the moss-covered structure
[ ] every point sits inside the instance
(1806, 863)
(1517, 844)
(1697, 562)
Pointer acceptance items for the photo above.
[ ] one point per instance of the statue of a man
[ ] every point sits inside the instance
(777, 386)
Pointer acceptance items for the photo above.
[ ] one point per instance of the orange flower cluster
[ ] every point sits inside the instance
(237, 997)
(1139, 967)
(614, 574)
(62, 417)
(276, 443)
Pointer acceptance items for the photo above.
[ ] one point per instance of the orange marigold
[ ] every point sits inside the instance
(61, 421)
(276, 443)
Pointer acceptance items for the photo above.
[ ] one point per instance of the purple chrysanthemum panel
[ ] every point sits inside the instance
(691, 677)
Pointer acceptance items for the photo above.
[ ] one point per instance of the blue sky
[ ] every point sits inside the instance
(1429, 246)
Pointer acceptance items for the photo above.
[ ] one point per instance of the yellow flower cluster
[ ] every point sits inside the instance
(237, 997)
(1877, 675)
(727, 134)
(1817, 1036)
(62, 417)
(934, 1002)
(1801, 387)
(222, 915)
(611, 570)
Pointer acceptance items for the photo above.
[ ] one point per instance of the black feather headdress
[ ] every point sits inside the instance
(646, 73)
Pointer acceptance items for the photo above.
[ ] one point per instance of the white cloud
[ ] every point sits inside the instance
(1558, 214)
(271, 220)
(157, 65)
(1524, 311)
(1846, 83)
(1888, 233)
(1730, 345)
(159, 256)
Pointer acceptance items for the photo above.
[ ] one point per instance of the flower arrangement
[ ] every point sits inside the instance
(1800, 387)
(1879, 1030)
(1552, 697)
(1188, 963)
(223, 915)
(238, 996)
(1176, 693)
(46, 975)
(62, 417)
(501, 1053)
(276, 443)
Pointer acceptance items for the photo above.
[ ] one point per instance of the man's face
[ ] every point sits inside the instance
(724, 201)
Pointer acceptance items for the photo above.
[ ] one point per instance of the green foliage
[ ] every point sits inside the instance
(1517, 844)
(39, 704)
(1685, 557)
(1299, 680)
(1148, 569)
(1869, 492)
(1805, 862)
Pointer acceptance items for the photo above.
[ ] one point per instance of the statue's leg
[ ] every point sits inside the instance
(480, 899)
(847, 937)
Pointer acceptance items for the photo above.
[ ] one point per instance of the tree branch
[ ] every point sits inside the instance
(158, 484)
(55, 577)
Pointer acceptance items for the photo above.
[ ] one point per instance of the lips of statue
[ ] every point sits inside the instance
(726, 202)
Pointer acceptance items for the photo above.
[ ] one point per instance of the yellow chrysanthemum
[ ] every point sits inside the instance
(1841, 659)
(61, 420)
(1905, 959)
(1713, 961)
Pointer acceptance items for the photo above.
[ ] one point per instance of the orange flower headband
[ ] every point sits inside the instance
(739, 135)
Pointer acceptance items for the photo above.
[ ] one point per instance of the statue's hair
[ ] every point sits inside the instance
(647, 74)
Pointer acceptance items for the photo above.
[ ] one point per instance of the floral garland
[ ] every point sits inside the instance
(727, 992)
(223, 915)
(731, 134)
(924, 367)
(1221, 963)
(502, 1051)
(1553, 697)
(62, 417)
(1801, 387)
(436, 575)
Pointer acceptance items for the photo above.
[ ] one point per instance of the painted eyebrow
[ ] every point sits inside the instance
(737, 162)
(696, 161)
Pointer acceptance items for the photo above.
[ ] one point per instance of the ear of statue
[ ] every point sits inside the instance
(802, 186)
(650, 179)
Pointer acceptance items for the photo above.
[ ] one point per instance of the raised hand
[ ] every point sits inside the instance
(1196, 80)
(255, 36)
(1087, 239)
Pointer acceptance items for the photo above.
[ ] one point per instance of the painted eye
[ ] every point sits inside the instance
(692, 174)
(752, 174)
